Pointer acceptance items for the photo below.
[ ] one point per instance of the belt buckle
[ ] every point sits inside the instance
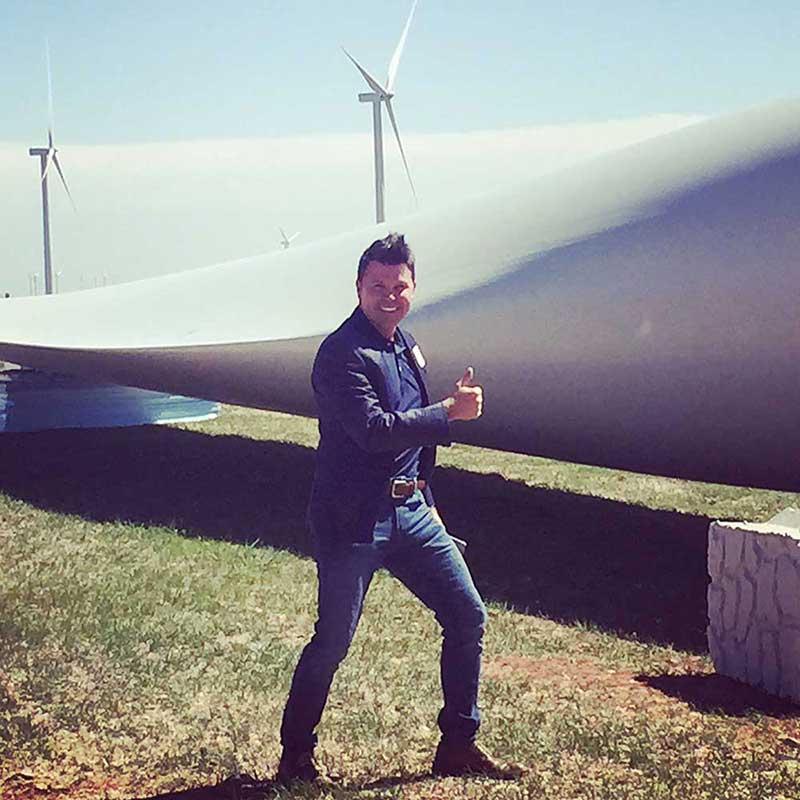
(402, 485)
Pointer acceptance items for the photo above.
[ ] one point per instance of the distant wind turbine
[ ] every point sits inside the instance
(378, 95)
(49, 156)
(287, 240)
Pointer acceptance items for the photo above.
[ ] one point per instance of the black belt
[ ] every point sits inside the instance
(400, 488)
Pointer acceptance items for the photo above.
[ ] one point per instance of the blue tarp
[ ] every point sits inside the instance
(31, 400)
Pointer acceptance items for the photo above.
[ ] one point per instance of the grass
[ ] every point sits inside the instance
(155, 593)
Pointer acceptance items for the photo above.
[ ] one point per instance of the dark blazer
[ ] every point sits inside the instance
(356, 385)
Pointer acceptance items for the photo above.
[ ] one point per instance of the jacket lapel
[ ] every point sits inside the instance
(407, 341)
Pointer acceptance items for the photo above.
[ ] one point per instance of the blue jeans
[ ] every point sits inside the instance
(417, 550)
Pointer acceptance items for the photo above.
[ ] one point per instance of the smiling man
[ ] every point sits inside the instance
(372, 507)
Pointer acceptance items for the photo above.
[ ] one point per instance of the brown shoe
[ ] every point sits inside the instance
(297, 766)
(470, 759)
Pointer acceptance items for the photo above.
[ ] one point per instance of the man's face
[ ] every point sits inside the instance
(385, 292)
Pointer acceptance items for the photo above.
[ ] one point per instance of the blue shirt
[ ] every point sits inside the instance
(406, 462)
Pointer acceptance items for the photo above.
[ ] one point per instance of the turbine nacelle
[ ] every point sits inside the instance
(372, 97)
(49, 156)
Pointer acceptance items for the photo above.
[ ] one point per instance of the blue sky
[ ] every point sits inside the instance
(157, 71)
(487, 93)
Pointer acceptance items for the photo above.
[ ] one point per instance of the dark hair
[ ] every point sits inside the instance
(392, 249)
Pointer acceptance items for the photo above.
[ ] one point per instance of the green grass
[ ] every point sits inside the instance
(155, 593)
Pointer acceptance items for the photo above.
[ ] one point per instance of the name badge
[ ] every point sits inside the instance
(418, 357)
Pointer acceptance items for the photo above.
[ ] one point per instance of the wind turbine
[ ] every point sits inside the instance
(384, 94)
(48, 156)
(287, 240)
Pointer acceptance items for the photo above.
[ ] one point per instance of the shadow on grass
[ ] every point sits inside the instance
(719, 694)
(622, 568)
(245, 787)
(227, 790)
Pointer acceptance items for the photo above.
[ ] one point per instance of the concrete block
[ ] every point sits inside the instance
(754, 602)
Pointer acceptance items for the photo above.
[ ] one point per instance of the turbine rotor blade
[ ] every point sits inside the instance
(64, 181)
(400, 145)
(394, 63)
(51, 154)
(373, 84)
(50, 112)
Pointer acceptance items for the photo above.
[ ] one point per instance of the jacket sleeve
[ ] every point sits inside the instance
(343, 387)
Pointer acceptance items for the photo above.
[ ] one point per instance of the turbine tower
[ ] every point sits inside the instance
(384, 94)
(48, 156)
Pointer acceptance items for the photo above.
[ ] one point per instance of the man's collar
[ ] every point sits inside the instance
(362, 323)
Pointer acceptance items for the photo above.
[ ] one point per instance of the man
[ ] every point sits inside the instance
(372, 506)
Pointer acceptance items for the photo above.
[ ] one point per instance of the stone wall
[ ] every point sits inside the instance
(754, 602)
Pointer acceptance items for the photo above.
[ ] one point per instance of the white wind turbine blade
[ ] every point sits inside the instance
(373, 84)
(51, 149)
(400, 145)
(50, 112)
(51, 154)
(64, 181)
(393, 64)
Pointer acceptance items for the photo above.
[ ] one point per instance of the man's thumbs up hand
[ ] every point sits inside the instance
(466, 378)
(466, 402)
